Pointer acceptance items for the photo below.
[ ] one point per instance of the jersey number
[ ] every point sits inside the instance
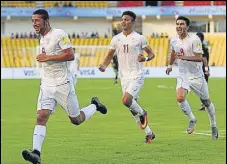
(182, 51)
(43, 51)
(125, 48)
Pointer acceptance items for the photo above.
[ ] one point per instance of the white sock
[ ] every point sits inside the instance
(38, 137)
(148, 130)
(211, 113)
(89, 111)
(136, 108)
(185, 107)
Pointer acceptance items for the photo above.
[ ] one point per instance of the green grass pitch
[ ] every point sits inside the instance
(114, 138)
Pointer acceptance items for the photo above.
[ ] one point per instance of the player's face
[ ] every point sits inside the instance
(38, 23)
(126, 22)
(181, 27)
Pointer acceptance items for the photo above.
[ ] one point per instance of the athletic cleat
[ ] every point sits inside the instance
(32, 156)
(100, 107)
(191, 126)
(202, 108)
(149, 138)
(143, 120)
(214, 132)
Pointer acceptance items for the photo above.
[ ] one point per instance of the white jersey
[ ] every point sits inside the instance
(128, 49)
(74, 64)
(188, 46)
(55, 73)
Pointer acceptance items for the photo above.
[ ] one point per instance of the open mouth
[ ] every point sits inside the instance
(36, 28)
(179, 30)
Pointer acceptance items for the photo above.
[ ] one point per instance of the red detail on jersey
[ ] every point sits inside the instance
(125, 48)
(182, 51)
(43, 50)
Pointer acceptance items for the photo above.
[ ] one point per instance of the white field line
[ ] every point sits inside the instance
(206, 134)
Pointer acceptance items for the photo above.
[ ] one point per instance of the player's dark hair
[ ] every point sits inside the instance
(185, 19)
(44, 14)
(130, 13)
(201, 36)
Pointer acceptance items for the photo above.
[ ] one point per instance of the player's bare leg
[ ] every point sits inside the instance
(129, 102)
(139, 114)
(38, 137)
(185, 107)
(212, 117)
(88, 111)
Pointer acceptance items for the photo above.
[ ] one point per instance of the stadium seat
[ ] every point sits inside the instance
(91, 4)
(217, 48)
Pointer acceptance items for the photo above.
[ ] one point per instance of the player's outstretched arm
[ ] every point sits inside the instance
(107, 60)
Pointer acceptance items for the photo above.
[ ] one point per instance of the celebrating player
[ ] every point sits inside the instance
(187, 50)
(56, 83)
(129, 46)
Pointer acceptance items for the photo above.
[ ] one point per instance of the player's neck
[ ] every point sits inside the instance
(183, 36)
(46, 31)
(126, 33)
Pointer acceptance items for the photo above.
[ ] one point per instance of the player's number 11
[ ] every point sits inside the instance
(125, 48)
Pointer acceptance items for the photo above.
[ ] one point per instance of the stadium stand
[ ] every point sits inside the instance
(130, 3)
(17, 52)
(104, 4)
(79, 4)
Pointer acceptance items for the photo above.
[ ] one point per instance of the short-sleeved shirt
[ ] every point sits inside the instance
(188, 46)
(55, 73)
(128, 48)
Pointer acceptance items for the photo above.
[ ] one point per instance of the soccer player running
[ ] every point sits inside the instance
(75, 65)
(129, 46)
(56, 83)
(205, 62)
(187, 50)
(115, 67)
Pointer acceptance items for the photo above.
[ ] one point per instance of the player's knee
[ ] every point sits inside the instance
(206, 102)
(180, 99)
(42, 117)
(75, 121)
(127, 102)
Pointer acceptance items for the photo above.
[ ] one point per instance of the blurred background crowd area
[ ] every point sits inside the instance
(105, 4)
(91, 35)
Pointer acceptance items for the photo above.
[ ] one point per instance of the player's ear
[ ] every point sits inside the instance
(47, 22)
(187, 28)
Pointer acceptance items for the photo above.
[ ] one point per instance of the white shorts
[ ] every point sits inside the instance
(132, 86)
(64, 95)
(198, 85)
(75, 78)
